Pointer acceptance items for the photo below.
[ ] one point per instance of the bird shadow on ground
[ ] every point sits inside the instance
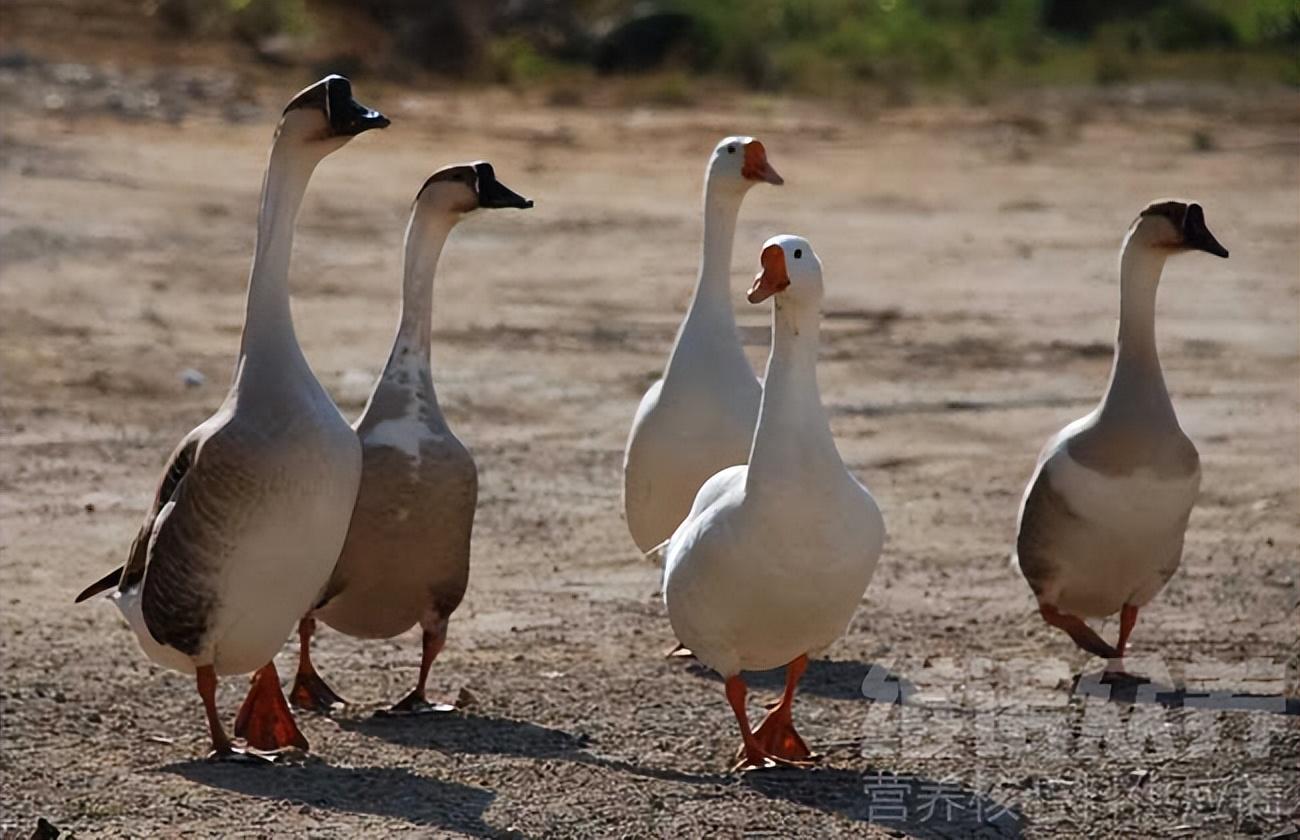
(1134, 689)
(832, 679)
(461, 733)
(458, 732)
(381, 791)
(912, 805)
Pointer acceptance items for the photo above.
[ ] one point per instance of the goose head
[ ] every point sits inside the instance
(323, 117)
(1175, 226)
(790, 270)
(741, 162)
(465, 187)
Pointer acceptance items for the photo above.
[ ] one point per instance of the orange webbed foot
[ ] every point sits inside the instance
(775, 743)
(748, 760)
(265, 721)
(777, 736)
(312, 694)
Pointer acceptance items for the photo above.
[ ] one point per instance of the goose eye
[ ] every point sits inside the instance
(798, 252)
(731, 150)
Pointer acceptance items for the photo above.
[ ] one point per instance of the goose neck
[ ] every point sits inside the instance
(709, 329)
(1136, 382)
(268, 321)
(793, 436)
(426, 234)
(713, 289)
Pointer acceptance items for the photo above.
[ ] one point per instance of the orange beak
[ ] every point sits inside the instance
(773, 278)
(756, 167)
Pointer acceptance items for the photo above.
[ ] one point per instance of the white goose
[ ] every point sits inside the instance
(253, 506)
(699, 418)
(406, 558)
(1101, 523)
(775, 556)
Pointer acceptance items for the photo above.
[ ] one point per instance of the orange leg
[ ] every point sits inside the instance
(751, 755)
(1127, 618)
(432, 643)
(206, 677)
(776, 734)
(310, 692)
(264, 721)
(1083, 635)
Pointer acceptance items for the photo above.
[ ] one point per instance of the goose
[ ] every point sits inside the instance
(406, 557)
(1101, 523)
(698, 418)
(252, 507)
(774, 557)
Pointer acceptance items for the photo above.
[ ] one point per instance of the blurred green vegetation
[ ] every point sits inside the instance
(821, 45)
(824, 47)
(247, 20)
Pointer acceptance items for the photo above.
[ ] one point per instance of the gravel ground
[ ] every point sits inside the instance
(970, 264)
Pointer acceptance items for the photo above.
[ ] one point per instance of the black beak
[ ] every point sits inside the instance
(347, 116)
(492, 193)
(1197, 236)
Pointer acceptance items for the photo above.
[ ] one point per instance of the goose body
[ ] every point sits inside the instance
(252, 508)
(758, 577)
(1101, 524)
(406, 557)
(240, 540)
(699, 418)
(775, 555)
(1095, 541)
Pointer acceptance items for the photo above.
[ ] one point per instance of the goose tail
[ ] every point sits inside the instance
(659, 553)
(104, 584)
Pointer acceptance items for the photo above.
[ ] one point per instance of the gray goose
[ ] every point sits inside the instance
(253, 505)
(1102, 521)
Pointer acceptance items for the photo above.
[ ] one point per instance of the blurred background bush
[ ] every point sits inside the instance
(797, 45)
(662, 49)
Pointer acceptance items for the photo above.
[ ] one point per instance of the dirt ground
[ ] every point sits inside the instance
(970, 261)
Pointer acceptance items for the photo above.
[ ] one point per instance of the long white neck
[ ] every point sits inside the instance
(268, 338)
(793, 436)
(1137, 385)
(713, 288)
(426, 234)
(710, 324)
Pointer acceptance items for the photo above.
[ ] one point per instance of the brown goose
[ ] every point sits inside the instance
(406, 558)
(252, 508)
(1102, 521)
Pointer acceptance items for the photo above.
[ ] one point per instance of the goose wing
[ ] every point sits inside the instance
(181, 552)
(1045, 514)
(178, 465)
